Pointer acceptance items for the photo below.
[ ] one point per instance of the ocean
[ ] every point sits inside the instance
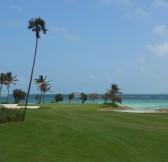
(137, 101)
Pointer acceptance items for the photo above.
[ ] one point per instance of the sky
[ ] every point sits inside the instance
(89, 45)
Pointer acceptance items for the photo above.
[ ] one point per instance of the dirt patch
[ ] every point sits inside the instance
(112, 109)
(162, 110)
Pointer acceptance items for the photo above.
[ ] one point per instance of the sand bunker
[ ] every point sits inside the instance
(15, 106)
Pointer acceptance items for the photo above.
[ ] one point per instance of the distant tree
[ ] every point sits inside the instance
(115, 94)
(18, 95)
(2, 81)
(9, 79)
(36, 25)
(83, 97)
(39, 81)
(59, 97)
(38, 98)
(71, 97)
(44, 87)
(93, 97)
(106, 97)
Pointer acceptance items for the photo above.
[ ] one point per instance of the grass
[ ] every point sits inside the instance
(80, 133)
(10, 115)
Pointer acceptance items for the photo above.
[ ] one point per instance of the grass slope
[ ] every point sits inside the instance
(80, 133)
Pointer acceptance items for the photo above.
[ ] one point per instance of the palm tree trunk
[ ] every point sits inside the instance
(31, 76)
(8, 94)
(0, 91)
(43, 97)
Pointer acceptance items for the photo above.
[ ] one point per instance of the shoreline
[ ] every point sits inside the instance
(133, 110)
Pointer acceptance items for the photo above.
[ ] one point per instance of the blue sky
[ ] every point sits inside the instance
(89, 44)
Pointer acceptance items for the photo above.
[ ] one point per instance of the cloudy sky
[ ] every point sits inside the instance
(89, 44)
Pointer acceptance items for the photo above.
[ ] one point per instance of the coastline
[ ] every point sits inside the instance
(133, 110)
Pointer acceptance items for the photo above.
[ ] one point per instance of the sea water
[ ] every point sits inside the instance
(136, 101)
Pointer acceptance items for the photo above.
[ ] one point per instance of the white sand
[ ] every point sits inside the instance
(138, 111)
(15, 106)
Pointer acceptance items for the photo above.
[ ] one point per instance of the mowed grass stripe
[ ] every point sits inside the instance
(75, 132)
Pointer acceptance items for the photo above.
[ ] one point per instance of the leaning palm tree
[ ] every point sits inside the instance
(36, 25)
(9, 79)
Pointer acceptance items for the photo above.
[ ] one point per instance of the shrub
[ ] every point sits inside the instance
(10, 115)
(59, 97)
(113, 104)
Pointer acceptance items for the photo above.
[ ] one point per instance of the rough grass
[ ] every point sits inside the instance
(10, 115)
(80, 133)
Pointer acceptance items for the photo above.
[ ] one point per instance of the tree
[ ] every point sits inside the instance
(106, 97)
(44, 86)
(38, 98)
(71, 97)
(115, 94)
(83, 97)
(93, 97)
(18, 95)
(39, 81)
(59, 97)
(2, 81)
(9, 79)
(36, 25)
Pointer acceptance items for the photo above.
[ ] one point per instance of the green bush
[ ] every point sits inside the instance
(10, 115)
(59, 97)
(113, 104)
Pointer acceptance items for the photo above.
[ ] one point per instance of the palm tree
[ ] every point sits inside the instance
(36, 25)
(2, 81)
(44, 86)
(83, 97)
(40, 81)
(9, 79)
(71, 97)
(115, 94)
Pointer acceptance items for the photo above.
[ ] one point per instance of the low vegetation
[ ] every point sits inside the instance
(10, 115)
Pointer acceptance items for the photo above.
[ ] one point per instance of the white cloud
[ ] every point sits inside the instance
(17, 8)
(141, 12)
(120, 70)
(160, 3)
(91, 76)
(161, 30)
(64, 32)
(159, 49)
(141, 60)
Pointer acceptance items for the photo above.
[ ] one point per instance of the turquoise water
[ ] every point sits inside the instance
(137, 101)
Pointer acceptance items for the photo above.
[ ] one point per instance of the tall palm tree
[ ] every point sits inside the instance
(36, 25)
(2, 81)
(9, 79)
